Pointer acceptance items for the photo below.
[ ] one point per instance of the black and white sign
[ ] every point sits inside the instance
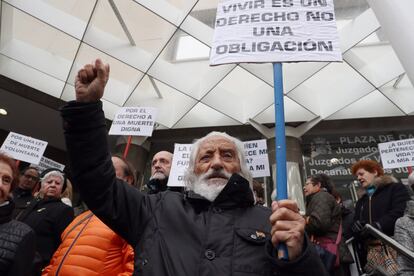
(47, 163)
(180, 163)
(24, 148)
(257, 159)
(334, 154)
(397, 154)
(255, 153)
(275, 31)
(134, 121)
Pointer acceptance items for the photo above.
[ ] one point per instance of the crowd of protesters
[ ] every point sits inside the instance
(217, 225)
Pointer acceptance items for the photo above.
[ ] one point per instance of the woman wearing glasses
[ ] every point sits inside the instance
(48, 216)
(17, 240)
(23, 193)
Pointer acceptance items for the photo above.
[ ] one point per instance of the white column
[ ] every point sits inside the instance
(397, 20)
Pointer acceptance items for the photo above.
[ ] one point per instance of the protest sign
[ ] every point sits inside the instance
(134, 121)
(397, 154)
(24, 148)
(257, 159)
(180, 162)
(46, 163)
(275, 31)
(255, 153)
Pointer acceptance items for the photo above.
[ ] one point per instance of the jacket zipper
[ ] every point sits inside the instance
(208, 219)
(369, 210)
(71, 245)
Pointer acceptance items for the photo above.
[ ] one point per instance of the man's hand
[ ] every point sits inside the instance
(288, 226)
(90, 82)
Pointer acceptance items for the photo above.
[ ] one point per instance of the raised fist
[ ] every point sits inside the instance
(90, 82)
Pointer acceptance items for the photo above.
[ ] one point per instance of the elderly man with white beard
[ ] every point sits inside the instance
(160, 171)
(212, 229)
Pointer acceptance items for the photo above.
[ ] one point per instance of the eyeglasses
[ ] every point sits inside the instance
(31, 177)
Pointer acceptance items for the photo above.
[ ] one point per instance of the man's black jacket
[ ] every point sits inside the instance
(172, 233)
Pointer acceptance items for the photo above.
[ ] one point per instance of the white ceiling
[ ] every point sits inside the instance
(43, 43)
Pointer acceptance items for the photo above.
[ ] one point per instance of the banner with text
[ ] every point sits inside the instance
(275, 31)
(180, 162)
(256, 157)
(334, 154)
(134, 121)
(397, 154)
(46, 163)
(24, 148)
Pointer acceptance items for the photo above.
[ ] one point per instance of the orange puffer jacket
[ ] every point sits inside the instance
(90, 248)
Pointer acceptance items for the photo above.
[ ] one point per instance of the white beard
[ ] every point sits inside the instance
(210, 188)
(159, 176)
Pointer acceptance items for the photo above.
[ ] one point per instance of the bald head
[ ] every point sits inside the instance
(161, 165)
(122, 169)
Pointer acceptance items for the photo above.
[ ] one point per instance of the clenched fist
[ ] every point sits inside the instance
(90, 82)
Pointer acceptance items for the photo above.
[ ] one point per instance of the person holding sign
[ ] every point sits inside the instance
(17, 240)
(213, 229)
(383, 202)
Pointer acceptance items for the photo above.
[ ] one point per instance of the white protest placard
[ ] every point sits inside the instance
(180, 163)
(397, 154)
(275, 31)
(47, 163)
(24, 148)
(256, 156)
(134, 121)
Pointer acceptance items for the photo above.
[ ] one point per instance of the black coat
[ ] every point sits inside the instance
(174, 233)
(17, 244)
(21, 199)
(48, 218)
(324, 215)
(387, 204)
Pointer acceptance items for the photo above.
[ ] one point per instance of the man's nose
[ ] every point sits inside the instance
(216, 162)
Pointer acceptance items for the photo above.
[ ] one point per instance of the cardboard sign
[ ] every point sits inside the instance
(397, 154)
(256, 157)
(275, 31)
(24, 148)
(46, 163)
(180, 163)
(134, 121)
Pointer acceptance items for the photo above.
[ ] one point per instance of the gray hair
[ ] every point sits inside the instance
(244, 170)
(53, 173)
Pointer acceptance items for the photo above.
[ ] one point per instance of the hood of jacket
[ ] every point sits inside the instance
(382, 182)
(409, 210)
(385, 180)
